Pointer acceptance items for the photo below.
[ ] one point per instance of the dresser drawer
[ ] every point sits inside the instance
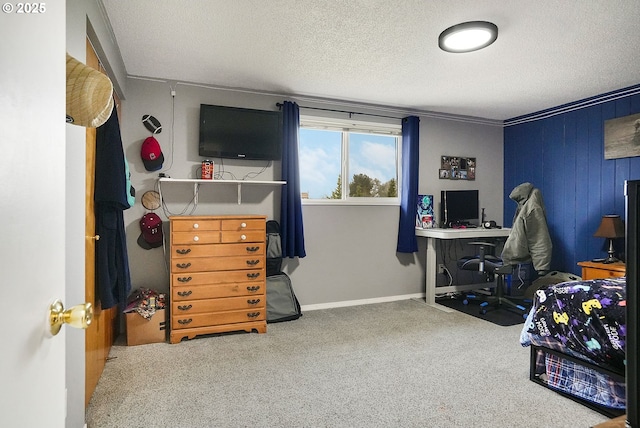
(217, 250)
(217, 318)
(243, 224)
(186, 224)
(213, 291)
(197, 278)
(195, 238)
(206, 264)
(180, 309)
(243, 236)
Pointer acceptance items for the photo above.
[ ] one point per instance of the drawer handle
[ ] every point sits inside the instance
(253, 314)
(184, 322)
(184, 293)
(184, 279)
(251, 302)
(183, 251)
(253, 288)
(243, 225)
(243, 237)
(185, 307)
(183, 265)
(252, 249)
(196, 225)
(253, 262)
(195, 238)
(253, 275)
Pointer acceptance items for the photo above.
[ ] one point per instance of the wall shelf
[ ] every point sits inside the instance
(197, 181)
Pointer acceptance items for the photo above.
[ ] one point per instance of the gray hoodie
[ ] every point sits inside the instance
(529, 239)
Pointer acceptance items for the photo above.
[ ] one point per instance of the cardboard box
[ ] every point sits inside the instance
(141, 331)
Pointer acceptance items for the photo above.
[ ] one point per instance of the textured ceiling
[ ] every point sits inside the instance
(385, 52)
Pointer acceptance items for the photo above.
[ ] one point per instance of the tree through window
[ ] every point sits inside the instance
(370, 159)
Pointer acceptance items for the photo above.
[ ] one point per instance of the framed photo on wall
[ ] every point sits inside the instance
(622, 137)
(457, 168)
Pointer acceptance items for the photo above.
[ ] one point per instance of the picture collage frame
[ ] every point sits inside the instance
(457, 168)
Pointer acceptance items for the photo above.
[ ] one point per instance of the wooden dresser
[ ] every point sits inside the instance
(217, 275)
(595, 270)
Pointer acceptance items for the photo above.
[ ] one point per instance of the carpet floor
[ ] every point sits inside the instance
(390, 365)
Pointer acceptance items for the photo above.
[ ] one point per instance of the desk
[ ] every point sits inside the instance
(435, 234)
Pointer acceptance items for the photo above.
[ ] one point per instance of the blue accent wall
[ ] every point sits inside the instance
(563, 156)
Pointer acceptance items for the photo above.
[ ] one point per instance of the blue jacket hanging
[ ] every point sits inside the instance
(113, 280)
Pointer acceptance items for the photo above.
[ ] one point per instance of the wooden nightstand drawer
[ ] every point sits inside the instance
(595, 270)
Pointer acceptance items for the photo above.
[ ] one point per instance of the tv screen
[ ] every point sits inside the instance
(459, 207)
(240, 133)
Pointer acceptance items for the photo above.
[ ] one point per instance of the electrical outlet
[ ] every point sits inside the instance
(441, 268)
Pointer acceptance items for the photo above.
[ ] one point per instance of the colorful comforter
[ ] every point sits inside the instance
(584, 319)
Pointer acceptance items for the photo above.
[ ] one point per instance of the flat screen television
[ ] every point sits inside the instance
(240, 133)
(459, 207)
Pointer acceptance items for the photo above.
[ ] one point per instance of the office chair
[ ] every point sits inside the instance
(493, 268)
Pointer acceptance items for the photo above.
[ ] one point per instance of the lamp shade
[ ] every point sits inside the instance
(611, 226)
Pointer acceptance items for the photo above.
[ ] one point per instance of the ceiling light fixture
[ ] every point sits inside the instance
(468, 36)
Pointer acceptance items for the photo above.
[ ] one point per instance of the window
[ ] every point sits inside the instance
(368, 154)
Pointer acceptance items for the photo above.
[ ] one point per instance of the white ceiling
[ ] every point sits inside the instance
(385, 52)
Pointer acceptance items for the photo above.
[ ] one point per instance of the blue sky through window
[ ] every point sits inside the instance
(320, 159)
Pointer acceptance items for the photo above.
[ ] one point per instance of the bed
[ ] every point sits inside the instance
(576, 331)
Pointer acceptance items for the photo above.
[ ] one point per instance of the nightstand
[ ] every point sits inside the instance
(595, 270)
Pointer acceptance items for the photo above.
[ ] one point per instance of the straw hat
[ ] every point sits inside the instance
(89, 95)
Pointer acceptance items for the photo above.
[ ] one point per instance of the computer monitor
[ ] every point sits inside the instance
(459, 208)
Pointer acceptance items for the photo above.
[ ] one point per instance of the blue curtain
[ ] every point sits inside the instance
(291, 230)
(407, 242)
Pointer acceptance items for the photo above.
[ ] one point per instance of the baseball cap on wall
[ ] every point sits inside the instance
(151, 231)
(151, 154)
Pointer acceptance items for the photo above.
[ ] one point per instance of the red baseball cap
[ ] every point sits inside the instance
(151, 154)
(151, 231)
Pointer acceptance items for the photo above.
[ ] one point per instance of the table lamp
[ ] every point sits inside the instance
(611, 227)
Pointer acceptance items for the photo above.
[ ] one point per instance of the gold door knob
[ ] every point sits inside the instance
(95, 238)
(79, 316)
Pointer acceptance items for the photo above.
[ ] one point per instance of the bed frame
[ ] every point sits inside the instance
(615, 375)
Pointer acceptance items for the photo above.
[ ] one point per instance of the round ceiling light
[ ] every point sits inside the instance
(468, 36)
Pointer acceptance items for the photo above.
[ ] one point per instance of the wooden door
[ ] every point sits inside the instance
(103, 330)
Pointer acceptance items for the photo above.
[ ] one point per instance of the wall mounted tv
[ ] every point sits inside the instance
(240, 133)
(459, 207)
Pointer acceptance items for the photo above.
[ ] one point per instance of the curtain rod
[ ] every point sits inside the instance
(279, 105)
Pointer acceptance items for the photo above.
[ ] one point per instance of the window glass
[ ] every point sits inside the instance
(372, 165)
(320, 155)
(369, 158)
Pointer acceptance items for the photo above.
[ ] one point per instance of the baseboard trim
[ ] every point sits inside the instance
(347, 303)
